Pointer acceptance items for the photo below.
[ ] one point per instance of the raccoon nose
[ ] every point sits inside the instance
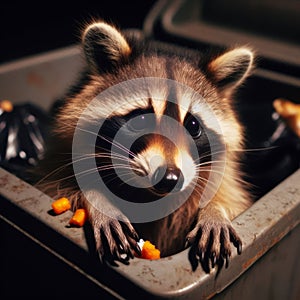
(166, 180)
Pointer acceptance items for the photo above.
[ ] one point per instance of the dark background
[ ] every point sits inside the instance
(27, 28)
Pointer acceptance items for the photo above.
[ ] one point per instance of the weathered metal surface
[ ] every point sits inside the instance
(38, 205)
(260, 227)
(42, 78)
(275, 276)
(183, 19)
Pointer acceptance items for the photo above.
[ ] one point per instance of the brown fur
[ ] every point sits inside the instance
(171, 232)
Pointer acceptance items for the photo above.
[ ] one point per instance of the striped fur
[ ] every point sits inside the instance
(112, 59)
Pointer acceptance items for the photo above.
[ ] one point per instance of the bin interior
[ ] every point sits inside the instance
(44, 78)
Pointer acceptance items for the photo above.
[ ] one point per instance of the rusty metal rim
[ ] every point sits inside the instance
(261, 226)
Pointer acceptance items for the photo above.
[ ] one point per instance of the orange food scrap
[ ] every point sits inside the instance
(290, 112)
(6, 105)
(61, 205)
(149, 251)
(79, 217)
(286, 108)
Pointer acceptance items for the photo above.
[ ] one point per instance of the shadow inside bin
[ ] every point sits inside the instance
(51, 212)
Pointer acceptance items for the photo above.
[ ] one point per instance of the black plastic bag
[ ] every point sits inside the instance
(272, 156)
(23, 130)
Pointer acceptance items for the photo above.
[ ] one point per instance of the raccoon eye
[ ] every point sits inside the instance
(141, 122)
(192, 125)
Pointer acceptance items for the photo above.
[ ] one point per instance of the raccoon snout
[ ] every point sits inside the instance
(167, 179)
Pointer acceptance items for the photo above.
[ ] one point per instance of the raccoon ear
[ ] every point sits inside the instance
(231, 68)
(104, 46)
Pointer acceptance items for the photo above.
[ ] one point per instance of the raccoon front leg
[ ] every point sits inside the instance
(212, 236)
(115, 237)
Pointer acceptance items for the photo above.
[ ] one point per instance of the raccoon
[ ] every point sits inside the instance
(175, 111)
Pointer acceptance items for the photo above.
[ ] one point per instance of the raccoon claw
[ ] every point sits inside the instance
(227, 257)
(237, 243)
(115, 240)
(188, 241)
(211, 243)
(130, 230)
(213, 258)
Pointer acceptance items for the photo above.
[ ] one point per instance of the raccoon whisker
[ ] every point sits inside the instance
(101, 155)
(210, 171)
(139, 167)
(204, 155)
(109, 154)
(213, 186)
(106, 167)
(116, 177)
(79, 174)
(209, 168)
(118, 145)
(84, 157)
(112, 142)
(125, 150)
(200, 188)
(205, 184)
(208, 182)
(127, 181)
(209, 154)
(201, 168)
(254, 149)
(89, 172)
(133, 162)
(122, 170)
(39, 182)
(87, 131)
(236, 178)
(210, 162)
(115, 166)
(57, 170)
(112, 156)
(115, 156)
(55, 181)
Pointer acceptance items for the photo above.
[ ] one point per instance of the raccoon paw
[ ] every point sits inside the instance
(211, 242)
(116, 240)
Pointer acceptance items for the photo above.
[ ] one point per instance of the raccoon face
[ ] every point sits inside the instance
(164, 136)
(158, 149)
